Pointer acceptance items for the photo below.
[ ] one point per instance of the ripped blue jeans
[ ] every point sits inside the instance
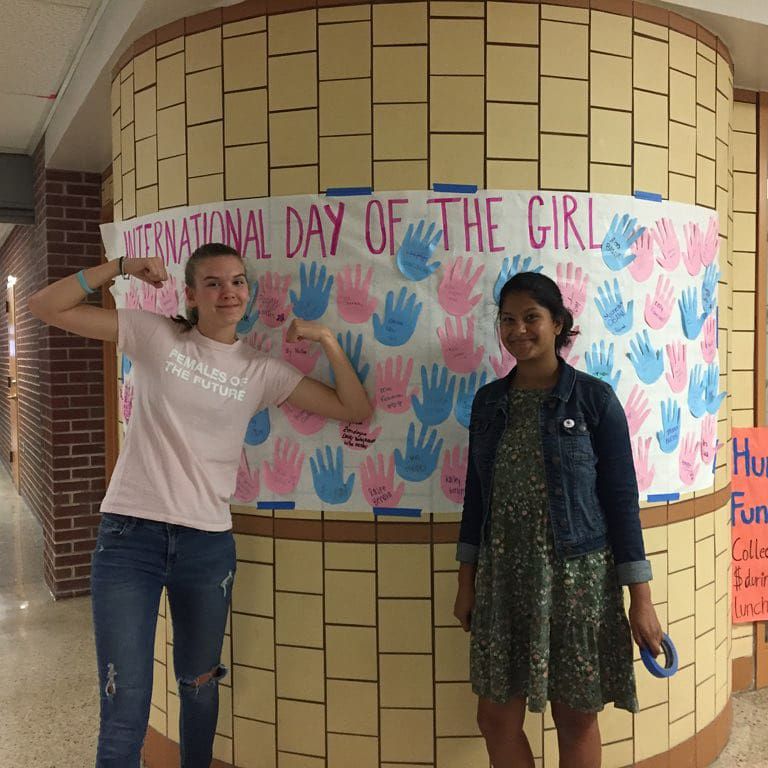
(134, 559)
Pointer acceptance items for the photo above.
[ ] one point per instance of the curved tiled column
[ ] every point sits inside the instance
(341, 641)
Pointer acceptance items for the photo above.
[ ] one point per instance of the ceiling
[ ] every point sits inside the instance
(38, 42)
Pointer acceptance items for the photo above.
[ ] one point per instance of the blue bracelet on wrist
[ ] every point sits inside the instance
(81, 279)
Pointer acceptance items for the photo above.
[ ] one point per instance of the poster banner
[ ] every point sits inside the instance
(749, 524)
(408, 281)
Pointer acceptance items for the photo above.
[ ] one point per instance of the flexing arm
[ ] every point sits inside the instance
(348, 402)
(60, 303)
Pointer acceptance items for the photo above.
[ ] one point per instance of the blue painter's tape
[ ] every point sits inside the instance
(653, 196)
(670, 659)
(276, 505)
(467, 189)
(348, 191)
(396, 512)
(663, 497)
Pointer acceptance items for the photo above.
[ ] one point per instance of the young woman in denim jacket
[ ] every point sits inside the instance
(550, 534)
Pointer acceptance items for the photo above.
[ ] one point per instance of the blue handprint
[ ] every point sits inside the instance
(467, 390)
(353, 355)
(414, 254)
(647, 361)
(711, 387)
(436, 396)
(509, 269)
(697, 392)
(328, 479)
(600, 364)
(420, 457)
(125, 365)
(689, 313)
(258, 428)
(399, 319)
(315, 293)
(617, 318)
(709, 289)
(669, 436)
(618, 240)
(251, 315)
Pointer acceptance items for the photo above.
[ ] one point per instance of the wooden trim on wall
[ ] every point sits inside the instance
(761, 296)
(761, 289)
(743, 673)
(748, 97)
(249, 9)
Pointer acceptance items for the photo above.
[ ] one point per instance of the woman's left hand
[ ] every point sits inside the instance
(646, 629)
(306, 330)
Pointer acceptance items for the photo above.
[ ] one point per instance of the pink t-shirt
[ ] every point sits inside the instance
(192, 400)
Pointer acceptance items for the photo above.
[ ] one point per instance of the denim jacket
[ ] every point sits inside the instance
(590, 474)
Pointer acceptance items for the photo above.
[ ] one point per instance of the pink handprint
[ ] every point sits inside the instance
(566, 351)
(454, 474)
(642, 265)
(358, 435)
(645, 472)
(282, 476)
(573, 287)
(709, 342)
(392, 385)
(669, 246)
(168, 298)
(677, 374)
(259, 341)
(458, 345)
(504, 363)
(148, 297)
(126, 401)
(454, 293)
(247, 483)
(688, 460)
(694, 243)
(658, 308)
(299, 354)
(353, 301)
(132, 300)
(379, 484)
(708, 440)
(636, 409)
(272, 299)
(711, 242)
(304, 422)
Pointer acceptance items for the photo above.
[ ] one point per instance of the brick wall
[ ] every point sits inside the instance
(60, 379)
(22, 255)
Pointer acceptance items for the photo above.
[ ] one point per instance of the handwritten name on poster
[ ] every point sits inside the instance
(409, 279)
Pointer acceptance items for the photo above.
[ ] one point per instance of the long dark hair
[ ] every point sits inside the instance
(545, 292)
(207, 251)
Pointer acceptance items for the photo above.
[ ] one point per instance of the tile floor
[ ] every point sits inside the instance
(48, 687)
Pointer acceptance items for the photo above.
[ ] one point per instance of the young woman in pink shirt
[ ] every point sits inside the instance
(166, 521)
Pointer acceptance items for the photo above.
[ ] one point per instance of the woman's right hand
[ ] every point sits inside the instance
(465, 602)
(151, 270)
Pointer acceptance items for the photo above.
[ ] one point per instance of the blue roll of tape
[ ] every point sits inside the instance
(670, 659)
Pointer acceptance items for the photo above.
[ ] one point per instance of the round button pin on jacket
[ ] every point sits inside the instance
(569, 423)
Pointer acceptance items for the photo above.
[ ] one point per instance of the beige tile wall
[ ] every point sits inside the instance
(347, 654)
(742, 336)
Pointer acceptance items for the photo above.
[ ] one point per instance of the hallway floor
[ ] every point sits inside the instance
(48, 688)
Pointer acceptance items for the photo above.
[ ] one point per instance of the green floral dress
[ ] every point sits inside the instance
(542, 627)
